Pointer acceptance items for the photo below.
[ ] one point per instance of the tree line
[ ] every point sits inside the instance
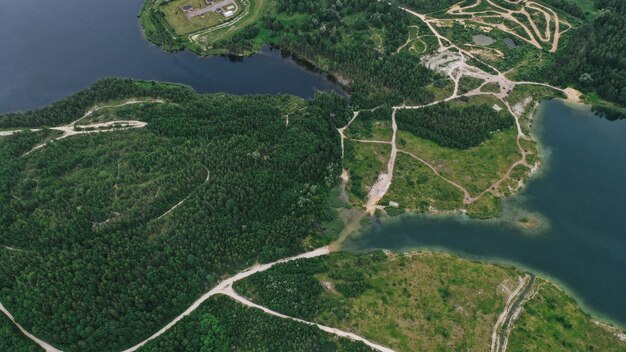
(452, 126)
(98, 268)
(222, 325)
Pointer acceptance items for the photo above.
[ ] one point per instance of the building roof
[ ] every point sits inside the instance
(187, 7)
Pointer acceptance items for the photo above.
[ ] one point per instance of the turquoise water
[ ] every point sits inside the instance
(580, 196)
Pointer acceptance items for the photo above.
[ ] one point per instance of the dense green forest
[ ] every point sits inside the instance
(98, 262)
(424, 302)
(355, 40)
(454, 127)
(427, 5)
(593, 58)
(222, 325)
(12, 339)
(417, 302)
(74, 106)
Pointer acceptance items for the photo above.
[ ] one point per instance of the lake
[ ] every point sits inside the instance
(580, 194)
(482, 40)
(52, 49)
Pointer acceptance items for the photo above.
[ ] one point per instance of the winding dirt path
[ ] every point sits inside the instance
(226, 288)
(456, 72)
(534, 35)
(467, 197)
(72, 129)
(380, 188)
(208, 174)
(234, 295)
(512, 309)
(452, 61)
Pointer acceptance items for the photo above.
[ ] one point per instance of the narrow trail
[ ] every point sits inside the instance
(452, 61)
(456, 70)
(534, 35)
(467, 197)
(72, 129)
(342, 130)
(380, 188)
(226, 288)
(43, 344)
(231, 293)
(208, 174)
(512, 309)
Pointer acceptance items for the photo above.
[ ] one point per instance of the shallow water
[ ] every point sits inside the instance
(483, 40)
(510, 42)
(580, 197)
(50, 49)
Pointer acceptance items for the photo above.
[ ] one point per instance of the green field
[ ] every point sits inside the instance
(474, 168)
(221, 325)
(371, 125)
(552, 321)
(417, 188)
(364, 161)
(166, 25)
(412, 302)
(183, 25)
(120, 231)
(425, 302)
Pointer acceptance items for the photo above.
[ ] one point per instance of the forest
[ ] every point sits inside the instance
(424, 301)
(452, 126)
(104, 90)
(222, 325)
(354, 40)
(12, 339)
(593, 58)
(97, 260)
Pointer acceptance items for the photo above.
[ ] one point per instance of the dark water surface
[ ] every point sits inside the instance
(50, 49)
(581, 195)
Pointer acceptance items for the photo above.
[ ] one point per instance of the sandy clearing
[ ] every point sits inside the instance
(380, 188)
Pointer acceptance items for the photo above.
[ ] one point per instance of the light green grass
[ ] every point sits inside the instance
(379, 130)
(178, 20)
(413, 302)
(364, 161)
(417, 188)
(256, 8)
(552, 321)
(486, 207)
(491, 87)
(467, 84)
(475, 168)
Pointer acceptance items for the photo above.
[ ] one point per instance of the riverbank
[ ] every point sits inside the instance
(581, 247)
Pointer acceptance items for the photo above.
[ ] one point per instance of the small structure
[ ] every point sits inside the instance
(186, 8)
(210, 2)
(394, 204)
(228, 13)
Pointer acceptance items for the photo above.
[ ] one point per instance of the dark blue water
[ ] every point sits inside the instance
(50, 49)
(580, 196)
